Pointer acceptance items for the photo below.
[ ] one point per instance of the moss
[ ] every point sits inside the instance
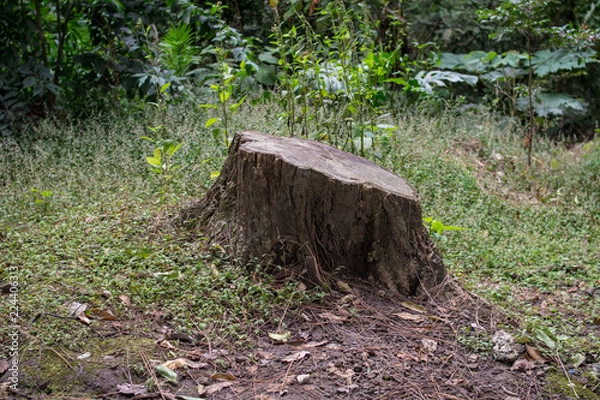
(559, 384)
(46, 371)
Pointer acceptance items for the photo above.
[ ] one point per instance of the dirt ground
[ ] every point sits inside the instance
(359, 345)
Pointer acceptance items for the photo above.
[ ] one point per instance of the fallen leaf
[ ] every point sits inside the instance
(414, 307)
(216, 387)
(332, 317)
(4, 390)
(187, 397)
(343, 286)
(429, 345)
(102, 315)
(134, 389)
(166, 344)
(3, 366)
(295, 356)
(84, 356)
(181, 362)
(223, 377)
(124, 299)
(407, 356)
(523, 365)
(280, 337)
(301, 287)
(409, 316)
(78, 311)
(535, 354)
(315, 344)
(347, 299)
(167, 373)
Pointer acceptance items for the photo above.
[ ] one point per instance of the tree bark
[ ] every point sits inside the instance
(297, 201)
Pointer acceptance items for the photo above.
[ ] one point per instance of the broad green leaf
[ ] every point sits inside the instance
(211, 121)
(215, 174)
(155, 162)
(451, 61)
(224, 96)
(268, 57)
(552, 104)
(397, 81)
(172, 148)
(167, 373)
(165, 87)
(437, 226)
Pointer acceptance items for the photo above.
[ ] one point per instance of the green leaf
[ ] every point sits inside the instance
(268, 57)
(215, 174)
(167, 373)
(556, 104)
(147, 138)
(208, 106)
(211, 121)
(164, 87)
(235, 106)
(155, 162)
(397, 81)
(172, 148)
(224, 96)
(437, 226)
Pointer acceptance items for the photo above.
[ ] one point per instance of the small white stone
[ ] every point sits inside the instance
(302, 379)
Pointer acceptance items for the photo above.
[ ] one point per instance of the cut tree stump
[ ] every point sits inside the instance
(297, 201)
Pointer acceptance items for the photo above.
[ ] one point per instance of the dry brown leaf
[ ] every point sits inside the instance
(535, 354)
(429, 345)
(215, 387)
(78, 311)
(181, 362)
(295, 356)
(166, 344)
(134, 389)
(332, 317)
(343, 286)
(315, 344)
(219, 376)
(414, 307)
(523, 365)
(124, 299)
(407, 356)
(409, 316)
(4, 364)
(102, 315)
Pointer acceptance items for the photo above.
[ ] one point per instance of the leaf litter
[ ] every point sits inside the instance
(379, 351)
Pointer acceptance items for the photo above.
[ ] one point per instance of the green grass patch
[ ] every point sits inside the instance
(82, 218)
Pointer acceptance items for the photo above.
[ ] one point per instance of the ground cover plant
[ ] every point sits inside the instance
(82, 218)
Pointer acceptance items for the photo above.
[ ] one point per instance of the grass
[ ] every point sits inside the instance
(91, 229)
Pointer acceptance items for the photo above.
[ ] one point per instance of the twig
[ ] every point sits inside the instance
(151, 372)
(62, 358)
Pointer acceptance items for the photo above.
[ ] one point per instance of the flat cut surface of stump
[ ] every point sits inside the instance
(297, 201)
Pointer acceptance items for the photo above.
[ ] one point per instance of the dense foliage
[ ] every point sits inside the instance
(533, 60)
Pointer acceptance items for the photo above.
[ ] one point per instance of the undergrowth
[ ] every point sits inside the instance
(82, 217)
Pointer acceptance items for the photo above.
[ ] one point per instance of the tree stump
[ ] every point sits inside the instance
(300, 201)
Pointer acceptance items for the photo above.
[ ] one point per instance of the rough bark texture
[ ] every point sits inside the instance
(301, 201)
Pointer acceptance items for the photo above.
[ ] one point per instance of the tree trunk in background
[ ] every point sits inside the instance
(297, 201)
